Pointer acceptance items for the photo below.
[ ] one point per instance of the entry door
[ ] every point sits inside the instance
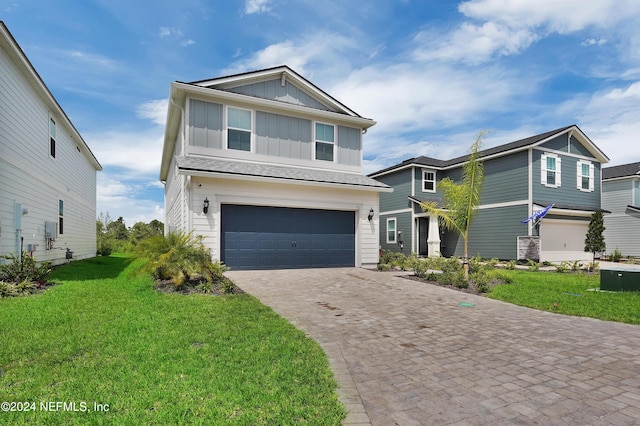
(423, 235)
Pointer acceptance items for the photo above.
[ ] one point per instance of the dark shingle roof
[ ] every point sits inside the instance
(433, 162)
(257, 170)
(623, 170)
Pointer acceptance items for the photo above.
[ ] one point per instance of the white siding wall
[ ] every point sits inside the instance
(30, 176)
(622, 226)
(223, 191)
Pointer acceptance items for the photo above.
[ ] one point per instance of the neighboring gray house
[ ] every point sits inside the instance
(47, 171)
(621, 196)
(560, 167)
(268, 168)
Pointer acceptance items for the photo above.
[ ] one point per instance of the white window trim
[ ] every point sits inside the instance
(424, 180)
(227, 127)
(591, 176)
(543, 170)
(395, 230)
(334, 143)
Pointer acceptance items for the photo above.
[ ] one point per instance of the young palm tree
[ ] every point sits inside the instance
(461, 200)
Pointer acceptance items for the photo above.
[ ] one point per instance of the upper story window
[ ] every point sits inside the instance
(585, 176)
(239, 129)
(52, 137)
(60, 217)
(391, 231)
(551, 170)
(324, 141)
(428, 181)
(636, 193)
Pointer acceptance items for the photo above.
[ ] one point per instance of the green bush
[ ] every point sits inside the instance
(24, 268)
(616, 256)
(481, 281)
(533, 265)
(511, 265)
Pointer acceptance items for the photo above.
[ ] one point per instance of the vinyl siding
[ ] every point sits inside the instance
(31, 177)
(567, 193)
(559, 143)
(401, 184)
(403, 223)
(622, 225)
(205, 124)
(273, 89)
(349, 146)
(493, 233)
(506, 179)
(417, 177)
(577, 148)
(282, 136)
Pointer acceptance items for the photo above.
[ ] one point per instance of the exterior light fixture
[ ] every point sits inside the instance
(205, 207)
(370, 214)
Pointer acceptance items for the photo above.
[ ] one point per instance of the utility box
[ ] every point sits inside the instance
(620, 279)
(50, 230)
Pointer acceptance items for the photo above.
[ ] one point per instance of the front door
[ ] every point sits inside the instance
(423, 235)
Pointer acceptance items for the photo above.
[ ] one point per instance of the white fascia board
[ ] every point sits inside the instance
(281, 181)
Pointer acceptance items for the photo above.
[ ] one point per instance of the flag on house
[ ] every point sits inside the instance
(538, 215)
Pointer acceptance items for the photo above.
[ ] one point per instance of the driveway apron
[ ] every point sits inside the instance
(409, 353)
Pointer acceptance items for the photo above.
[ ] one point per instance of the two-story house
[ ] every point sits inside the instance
(621, 196)
(47, 171)
(560, 167)
(268, 168)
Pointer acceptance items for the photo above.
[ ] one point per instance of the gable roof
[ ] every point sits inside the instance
(624, 170)
(282, 72)
(500, 150)
(9, 44)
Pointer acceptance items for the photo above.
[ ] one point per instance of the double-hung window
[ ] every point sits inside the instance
(52, 137)
(391, 231)
(551, 170)
(585, 176)
(239, 129)
(428, 181)
(324, 141)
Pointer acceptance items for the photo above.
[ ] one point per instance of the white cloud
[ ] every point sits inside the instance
(188, 42)
(155, 110)
(257, 6)
(594, 42)
(115, 197)
(169, 32)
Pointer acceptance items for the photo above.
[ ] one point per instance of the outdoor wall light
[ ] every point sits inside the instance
(370, 214)
(205, 207)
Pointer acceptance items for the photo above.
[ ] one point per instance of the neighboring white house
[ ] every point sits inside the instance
(268, 168)
(621, 195)
(47, 171)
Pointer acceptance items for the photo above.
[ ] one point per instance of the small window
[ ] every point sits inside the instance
(550, 170)
(60, 217)
(585, 176)
(636, 194)
(428, 181)
(391, 231)
(52, 137)
(239, 129)
(324, 141)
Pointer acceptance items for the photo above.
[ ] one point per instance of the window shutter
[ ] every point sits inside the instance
(591, 178)
(579, 174)
(543, 169)
(558, 173)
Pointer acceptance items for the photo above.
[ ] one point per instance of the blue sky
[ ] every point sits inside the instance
(432, 73)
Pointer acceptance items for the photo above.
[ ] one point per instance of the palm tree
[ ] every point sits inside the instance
(461, 200)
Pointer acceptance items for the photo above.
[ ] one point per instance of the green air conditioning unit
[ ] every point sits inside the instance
(620, 279)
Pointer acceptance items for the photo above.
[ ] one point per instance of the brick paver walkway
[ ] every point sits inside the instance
(408, 353)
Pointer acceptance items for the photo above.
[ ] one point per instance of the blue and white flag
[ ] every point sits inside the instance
(538, 215)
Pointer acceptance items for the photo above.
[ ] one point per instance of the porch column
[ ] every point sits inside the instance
(433, 241)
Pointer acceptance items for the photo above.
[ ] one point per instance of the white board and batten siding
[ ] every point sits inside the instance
(224, 191)
(34, 180)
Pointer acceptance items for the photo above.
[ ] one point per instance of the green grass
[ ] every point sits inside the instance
(568, 294)
(156, 358)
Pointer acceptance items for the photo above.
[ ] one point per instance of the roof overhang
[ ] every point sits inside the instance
(567, 210)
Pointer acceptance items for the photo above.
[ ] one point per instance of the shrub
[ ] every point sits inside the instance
(481, 281)
(384, 267)
(616, 256)
(533, 265)
(511, 265)
(562, 267)
(24, 268)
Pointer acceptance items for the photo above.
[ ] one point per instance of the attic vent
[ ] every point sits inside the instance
(283, 79)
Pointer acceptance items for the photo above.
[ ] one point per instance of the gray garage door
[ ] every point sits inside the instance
(259, 237)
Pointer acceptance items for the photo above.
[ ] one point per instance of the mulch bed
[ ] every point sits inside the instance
(167, 286)
(470, 290)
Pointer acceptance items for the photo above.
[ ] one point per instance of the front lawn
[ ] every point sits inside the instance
(103, 347)
(569, 294)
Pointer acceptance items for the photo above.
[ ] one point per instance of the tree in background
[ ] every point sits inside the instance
(594, 241)
(114, 236)
(461, 200)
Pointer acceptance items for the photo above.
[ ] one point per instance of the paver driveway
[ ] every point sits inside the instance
(407, 353)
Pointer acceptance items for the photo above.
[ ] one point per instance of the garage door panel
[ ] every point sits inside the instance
(259, 237)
